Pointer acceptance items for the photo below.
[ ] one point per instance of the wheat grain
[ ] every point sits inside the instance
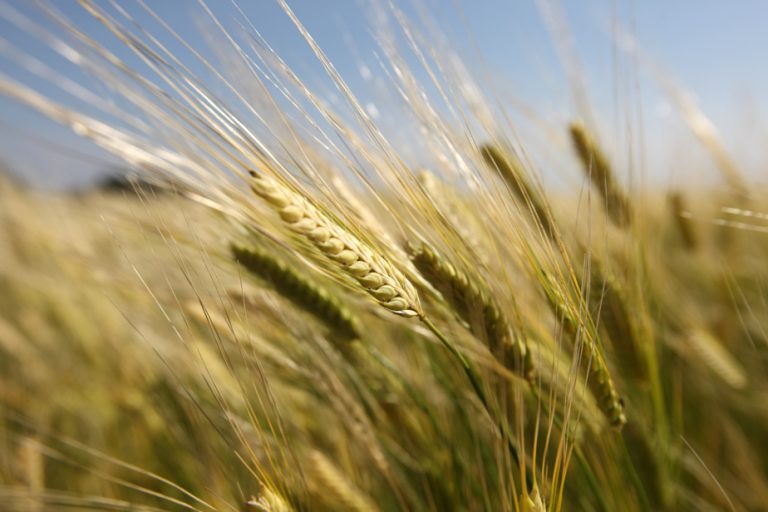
(532, 501)
(710, 350)
(610, 303)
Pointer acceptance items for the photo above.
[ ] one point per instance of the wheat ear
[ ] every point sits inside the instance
(709, 349)
(578, 325)
(337, 488)
(682, 219)
(609, 301)
(388, 286)
(268, 501)
(512, 173)
(476, 306)
(305, 294)
(599, 171)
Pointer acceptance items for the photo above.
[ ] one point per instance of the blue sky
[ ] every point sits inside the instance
(716, 50)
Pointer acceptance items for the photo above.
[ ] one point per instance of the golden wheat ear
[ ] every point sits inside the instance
(377, 276)
(706, 347)
(337, 489)
(599, 171)
(511, 171)
(579, 326)
(681, 216)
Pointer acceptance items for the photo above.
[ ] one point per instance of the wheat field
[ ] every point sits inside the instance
(283, 310)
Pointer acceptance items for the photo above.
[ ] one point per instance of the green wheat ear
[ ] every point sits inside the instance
(473, 303)
(305, 294)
